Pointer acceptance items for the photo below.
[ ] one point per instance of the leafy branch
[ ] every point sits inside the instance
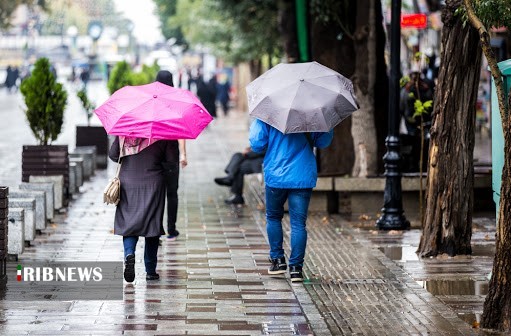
(87, 105)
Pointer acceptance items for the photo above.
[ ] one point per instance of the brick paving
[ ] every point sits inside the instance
(214, 279)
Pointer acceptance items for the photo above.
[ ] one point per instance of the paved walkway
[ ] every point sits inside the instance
(214, 279)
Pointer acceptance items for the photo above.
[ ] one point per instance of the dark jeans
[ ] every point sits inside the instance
(298, 200)
(172, 184)
(239, 166)
(150, 251)
(225, 106)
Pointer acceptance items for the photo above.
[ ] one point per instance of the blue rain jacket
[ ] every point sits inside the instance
(289, 162)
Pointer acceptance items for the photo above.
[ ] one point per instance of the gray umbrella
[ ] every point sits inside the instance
(301, 97)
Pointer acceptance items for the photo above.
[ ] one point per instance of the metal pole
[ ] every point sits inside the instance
(393, 217)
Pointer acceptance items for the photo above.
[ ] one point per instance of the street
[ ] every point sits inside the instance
(214, 277)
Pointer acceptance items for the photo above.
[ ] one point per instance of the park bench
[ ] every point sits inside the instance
(364, 196)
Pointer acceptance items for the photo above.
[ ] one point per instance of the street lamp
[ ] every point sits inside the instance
(393, 217)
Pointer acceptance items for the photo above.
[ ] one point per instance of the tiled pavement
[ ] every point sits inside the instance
(214, 279)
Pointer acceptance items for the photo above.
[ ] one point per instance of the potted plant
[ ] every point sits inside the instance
(92, 135)
(45, 101)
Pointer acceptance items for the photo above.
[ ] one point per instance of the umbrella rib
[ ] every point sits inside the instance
(290, 107)
(336, 92)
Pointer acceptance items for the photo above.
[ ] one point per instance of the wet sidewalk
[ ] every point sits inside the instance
(213, 277)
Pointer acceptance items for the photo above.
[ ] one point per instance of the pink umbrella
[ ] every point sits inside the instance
(154, 111)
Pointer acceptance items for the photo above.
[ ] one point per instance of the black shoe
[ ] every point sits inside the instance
(235, 199)
(296, 274)
(154, 276)
(173, 235)
(223, 181)
(129, 268)
(278, 266)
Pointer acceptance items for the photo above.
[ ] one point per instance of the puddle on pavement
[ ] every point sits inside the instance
(455, 287)
(407, 252)
(400, 253)
(471, 318)
(483, 250)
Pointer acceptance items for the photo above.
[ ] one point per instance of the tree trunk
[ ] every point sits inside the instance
(256, 68)
(381, 93)
(339, 55)
(363, 128)
(287, 28)
(497, 306)
(447, 227)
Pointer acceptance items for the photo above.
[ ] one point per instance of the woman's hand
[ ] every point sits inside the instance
(182, 160)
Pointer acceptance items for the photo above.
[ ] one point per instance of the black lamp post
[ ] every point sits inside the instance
(393, 217)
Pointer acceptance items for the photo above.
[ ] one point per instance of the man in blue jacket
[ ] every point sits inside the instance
(290, 173)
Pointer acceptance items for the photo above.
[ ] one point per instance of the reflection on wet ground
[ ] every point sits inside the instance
(461, 282)
(455, 287)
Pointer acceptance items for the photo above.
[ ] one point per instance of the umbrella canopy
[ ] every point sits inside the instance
(301, 97)
(154, 111)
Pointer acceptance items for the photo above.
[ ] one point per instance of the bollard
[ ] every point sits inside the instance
(87, 163)
(58, 191)
(40, 204)
(48, 189)
(72, 178)
(16, 232)
(79, 171)
(27, 204)
(88, 150)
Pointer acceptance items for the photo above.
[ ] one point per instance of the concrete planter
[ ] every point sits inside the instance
(94, 136)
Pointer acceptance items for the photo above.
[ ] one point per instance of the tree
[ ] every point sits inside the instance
(45, 100)
(119, 77)
(7, 8)
(87, 104)
(165, 10)
(122, 75)
(236, 31)
(447, 226)
(497, 306)
(348, 37)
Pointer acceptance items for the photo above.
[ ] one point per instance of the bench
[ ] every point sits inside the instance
(357, 196)
(321, 199)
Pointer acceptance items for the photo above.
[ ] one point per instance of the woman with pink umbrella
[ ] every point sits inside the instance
(142, 202)
(148, 119)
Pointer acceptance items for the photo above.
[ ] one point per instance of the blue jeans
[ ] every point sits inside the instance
(298, 200)
(150, 251)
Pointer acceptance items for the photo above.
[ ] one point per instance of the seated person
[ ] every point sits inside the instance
(240, 164)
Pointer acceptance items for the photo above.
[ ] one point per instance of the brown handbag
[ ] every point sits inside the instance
(112, 192)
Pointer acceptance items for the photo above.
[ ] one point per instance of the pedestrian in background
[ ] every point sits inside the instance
(12, 78)
(207, 94)
(142, 198)
(290, 173)
(172, 170)
(240, 164)
(224, 87)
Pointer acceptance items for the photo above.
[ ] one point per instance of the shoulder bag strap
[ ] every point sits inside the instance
(119, 161)
(309, 139)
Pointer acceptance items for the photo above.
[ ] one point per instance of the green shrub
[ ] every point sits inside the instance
(87, 105)
(45, 101)
(122, 75)
(119, 77)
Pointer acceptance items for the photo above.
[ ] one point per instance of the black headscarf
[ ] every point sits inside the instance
(165, 77)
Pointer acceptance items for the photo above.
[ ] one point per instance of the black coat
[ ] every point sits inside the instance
(207, 95)
(140, 210)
